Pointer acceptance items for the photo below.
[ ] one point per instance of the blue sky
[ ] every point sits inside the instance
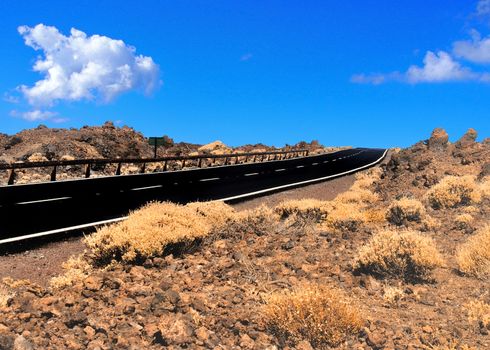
(363, 73)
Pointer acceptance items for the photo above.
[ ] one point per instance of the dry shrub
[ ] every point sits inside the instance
(471, 209)
(216, 213)
(464, 222)
(474, 255)
(365, 179)
(319, 314)
(76, 269)
(357, 195)
(479, 312)
(407, 255)
(148, 232)
(485, 186)
(345, 217)
(392, 295)
(260, 221)
(313, 209)
(430, 224)
(375, 216)
(404, 211)
(453, 191)
(6, 296)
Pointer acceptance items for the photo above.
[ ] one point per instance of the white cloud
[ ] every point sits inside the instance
(375, 79)
(437, 68)
(483, 8)
(246, 57)
(35, 115)
(476, 50)
(80, 67)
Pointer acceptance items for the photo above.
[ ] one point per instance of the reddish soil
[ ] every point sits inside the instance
(211, 295)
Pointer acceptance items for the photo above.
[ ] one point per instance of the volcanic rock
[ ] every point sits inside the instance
(438, 139)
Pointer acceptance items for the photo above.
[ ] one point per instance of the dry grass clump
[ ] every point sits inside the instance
(464, 222)
(405, 210)
(216, 213)
(485, 186)
(393, 295)
(357, 195)
(314, 209)
(5, 296)
(479, 311)
(365, 179)
(453, 191)
(376, 216)
(407, 255)
(319, 314)
(474, 255)
(259, 221)
(345, 217)
(76, 269)
(148, 232)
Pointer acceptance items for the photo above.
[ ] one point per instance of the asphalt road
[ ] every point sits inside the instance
(33, 208)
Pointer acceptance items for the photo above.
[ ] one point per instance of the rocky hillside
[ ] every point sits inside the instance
(106, 141)
(109, 141)
(399, 261)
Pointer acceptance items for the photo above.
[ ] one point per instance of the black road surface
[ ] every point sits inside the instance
(31, 208)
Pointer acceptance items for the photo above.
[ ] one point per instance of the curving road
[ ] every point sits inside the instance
(49, 208)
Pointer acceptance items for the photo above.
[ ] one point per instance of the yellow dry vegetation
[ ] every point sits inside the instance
(464, 222)
(216, 213)
(320, 314)
(367, 178)
(485, 186)
(471, 209)
(405, 210)
(307, 207)
(392, 294)
(375, 216)
(161, 227)
(357, 195)
(148, 232)
(453, 191)
(474, 255)
(345, 217)
(76, 269)
(260, 221)
(479, 312)
(399, 254)
(5, 295)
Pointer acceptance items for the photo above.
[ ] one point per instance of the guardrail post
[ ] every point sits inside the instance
(53, 174)
(118, 170)
(236, 160)
(165, 166)
(226, 161)
(87, 171)
(199, 163)
(12, 177)
(183, 163)
(246, 159)
(143, 168)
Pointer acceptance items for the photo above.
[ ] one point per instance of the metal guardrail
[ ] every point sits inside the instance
(202, 159)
